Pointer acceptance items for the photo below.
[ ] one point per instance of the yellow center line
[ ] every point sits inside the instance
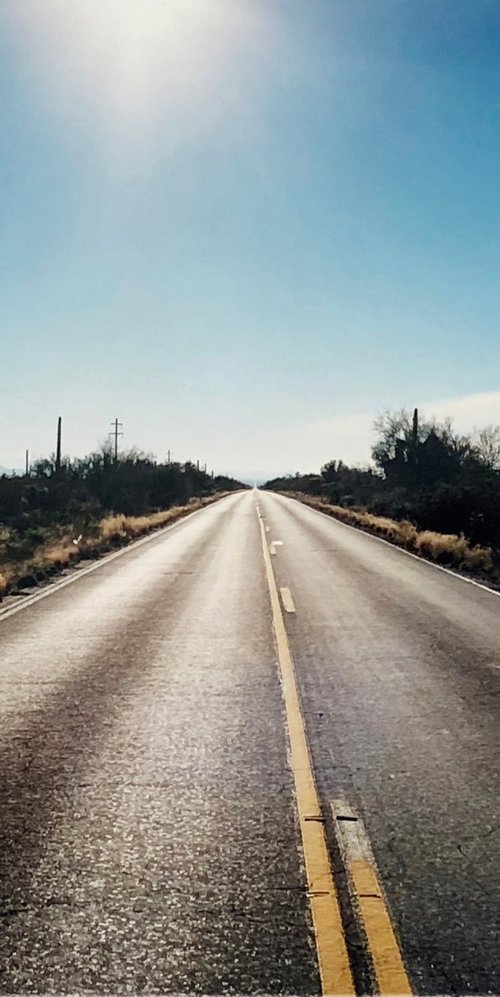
(333, 960)
(369, 901)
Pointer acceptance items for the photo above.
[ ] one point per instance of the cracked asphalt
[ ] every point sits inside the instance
(148, 833)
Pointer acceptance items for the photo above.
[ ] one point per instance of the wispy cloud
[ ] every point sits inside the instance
(468, 412)
(350, 437)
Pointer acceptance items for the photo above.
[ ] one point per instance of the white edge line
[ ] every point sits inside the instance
(56, 586)
(401, 550)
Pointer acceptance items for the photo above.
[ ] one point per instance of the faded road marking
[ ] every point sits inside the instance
(333, 960)
(287, 600)
(368, 900)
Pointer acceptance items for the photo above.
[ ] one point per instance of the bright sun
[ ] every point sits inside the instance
(132, 62)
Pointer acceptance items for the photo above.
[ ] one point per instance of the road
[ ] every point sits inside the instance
(150, 826)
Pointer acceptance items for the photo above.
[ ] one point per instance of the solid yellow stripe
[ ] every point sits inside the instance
(331, 947)
(384, 949)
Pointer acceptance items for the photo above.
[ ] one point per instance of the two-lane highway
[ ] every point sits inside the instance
(149, 830)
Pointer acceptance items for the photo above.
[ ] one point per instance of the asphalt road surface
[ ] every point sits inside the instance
(149, 835)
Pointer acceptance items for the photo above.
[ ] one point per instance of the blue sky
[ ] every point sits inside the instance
(246, 227)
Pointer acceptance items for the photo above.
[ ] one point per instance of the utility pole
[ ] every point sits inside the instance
(58, 447)
(115, 434)
(168, 456)
(197, 465)
(27, 463)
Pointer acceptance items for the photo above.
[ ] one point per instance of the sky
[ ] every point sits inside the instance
(246, 228)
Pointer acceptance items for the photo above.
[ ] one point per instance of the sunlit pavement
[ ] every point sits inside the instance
(150, 839)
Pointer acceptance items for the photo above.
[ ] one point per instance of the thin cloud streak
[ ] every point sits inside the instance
(350, 437)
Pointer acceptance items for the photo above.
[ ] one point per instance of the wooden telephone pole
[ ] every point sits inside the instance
(118, 426)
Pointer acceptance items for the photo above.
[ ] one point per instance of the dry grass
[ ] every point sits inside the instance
(447, 548)
(442, 548)
(127, 527)
(57, 554)
(111, 532)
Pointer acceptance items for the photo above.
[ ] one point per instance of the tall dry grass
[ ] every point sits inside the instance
(111, 532)
(442, 548)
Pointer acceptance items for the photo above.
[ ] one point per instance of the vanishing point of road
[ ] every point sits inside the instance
(256, 753)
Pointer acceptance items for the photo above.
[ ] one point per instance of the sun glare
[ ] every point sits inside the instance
(130, 62)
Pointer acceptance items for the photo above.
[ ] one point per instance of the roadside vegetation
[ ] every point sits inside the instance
(429, 490)
(54, 517)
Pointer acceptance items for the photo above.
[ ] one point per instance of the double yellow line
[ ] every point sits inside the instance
(333, 959)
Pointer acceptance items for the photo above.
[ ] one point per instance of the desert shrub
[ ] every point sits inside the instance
(442, 548)
(56, 553)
